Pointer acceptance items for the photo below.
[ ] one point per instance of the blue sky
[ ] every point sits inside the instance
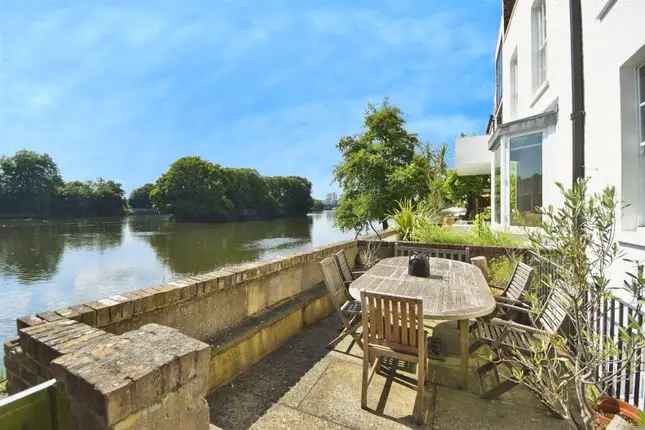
(122, 89)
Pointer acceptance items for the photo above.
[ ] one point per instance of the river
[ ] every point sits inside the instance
(47, 265)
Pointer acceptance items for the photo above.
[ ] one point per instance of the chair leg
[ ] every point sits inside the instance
(420, 403)
(366, 368)
(337, 339)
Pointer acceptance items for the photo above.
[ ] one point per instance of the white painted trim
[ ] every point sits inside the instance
(540, 92)
(28, 392)
(605, 9)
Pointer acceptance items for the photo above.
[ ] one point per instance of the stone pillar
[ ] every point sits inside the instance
(151, 378)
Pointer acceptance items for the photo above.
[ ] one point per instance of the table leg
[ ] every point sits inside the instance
(464, 344)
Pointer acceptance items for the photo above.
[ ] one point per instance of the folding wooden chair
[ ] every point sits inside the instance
(348, 309)
(349, 275)
(503, 336)
(514, 293)
(393, 327)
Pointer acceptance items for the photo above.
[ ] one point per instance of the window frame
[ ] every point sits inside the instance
(513, 74)
(539, 43)
(640, 105)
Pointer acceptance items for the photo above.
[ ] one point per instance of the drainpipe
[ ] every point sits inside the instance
(578, 90)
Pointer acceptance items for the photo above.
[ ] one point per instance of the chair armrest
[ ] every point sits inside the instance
(511, 301)
(505, 307)
(516, 326)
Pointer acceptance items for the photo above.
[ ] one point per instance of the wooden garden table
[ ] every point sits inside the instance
(455, 291)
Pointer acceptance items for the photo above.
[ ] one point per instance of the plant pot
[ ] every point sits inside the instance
(608, 407)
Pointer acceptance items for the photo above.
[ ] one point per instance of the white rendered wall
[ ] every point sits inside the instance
(613, 45)
(471, 155)
(557, 149)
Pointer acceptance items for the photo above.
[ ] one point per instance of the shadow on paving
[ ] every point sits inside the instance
(305, 385)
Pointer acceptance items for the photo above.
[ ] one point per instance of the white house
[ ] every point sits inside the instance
(530, 136)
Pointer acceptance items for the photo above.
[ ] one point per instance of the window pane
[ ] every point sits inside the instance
(641, 73)
(525, 174)
(498, 186)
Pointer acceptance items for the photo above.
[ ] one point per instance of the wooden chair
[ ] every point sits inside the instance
(502, 336)
(348, 274)
(393, 327)
(348, 309)
(451, 254)
(514, 292)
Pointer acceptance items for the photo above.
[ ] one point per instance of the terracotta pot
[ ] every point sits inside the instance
(611, 406)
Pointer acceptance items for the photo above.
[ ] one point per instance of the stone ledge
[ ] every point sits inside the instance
(254, 324)
(120, 375)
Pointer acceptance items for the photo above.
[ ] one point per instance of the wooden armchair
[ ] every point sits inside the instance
(393, 327)
(348, 309)
(450, 254)
(502, 336)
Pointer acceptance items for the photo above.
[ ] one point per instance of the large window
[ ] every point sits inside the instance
(539, 43)
(525, 179)
(641, 103)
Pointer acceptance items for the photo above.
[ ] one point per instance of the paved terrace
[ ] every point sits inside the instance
(305, 385)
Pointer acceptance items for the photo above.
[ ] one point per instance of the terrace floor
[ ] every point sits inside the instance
(303, 384)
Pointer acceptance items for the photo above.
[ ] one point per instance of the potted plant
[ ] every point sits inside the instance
(566, 368)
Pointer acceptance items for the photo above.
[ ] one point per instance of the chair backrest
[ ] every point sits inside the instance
(519, 282)
(392, 321)
(554, 313)
(343, 265)
(335, 286)
(451, 254)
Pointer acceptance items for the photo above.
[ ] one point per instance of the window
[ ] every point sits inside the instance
(498, 186)
(539, 43)
(498, 78)
(525, 179)
(641, 103)
(514, 93)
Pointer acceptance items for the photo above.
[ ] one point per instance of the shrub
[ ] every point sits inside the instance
(501, 270)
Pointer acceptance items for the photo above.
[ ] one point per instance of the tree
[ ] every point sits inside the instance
(28, 182)
(193, 189)
(383, 165)
(291, 193)
(140, 197)
(317, 206)
(466, 190)
(249, 193)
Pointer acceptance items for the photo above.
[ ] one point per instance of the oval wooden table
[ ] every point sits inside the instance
(455, 291)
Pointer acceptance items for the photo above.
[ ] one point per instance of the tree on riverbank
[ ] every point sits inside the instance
(31, 186)
(383, 165)
(140, 197)
(196, 189)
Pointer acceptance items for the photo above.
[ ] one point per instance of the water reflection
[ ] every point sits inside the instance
(31, 251)
(189, 248)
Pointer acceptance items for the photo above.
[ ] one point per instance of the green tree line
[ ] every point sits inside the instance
(31, 186)
(197, 189)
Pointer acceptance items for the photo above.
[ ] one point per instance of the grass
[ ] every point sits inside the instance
(3, 380)
(433, 233)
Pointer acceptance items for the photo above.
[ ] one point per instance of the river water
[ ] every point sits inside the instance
(47, 265)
